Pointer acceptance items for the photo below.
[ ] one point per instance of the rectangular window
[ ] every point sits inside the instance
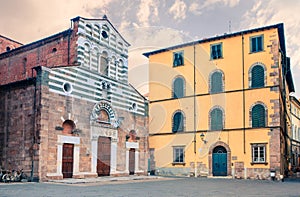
(178, 154)
(216, 51)
(258, 153)
(256, 44)
(178, 59)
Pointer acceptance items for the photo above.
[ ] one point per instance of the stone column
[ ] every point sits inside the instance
(76, 158)
(127, 161)
(113, 156)
(59, 159)
(136, 159)
(94, 155)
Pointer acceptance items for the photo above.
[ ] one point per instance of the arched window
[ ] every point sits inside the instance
(87, 55)
(178, 122)
(216, 119)
(257, 77)
(216, 82)
(68, 126)
(178, 88)
(258, 115)
(104, 63)
(89, 29)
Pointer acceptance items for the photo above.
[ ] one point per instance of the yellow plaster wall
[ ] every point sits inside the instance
(161, 78)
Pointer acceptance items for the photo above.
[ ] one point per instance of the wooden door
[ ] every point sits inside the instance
(219, 160)
(103, 160)
(131, 161)
(67, 160)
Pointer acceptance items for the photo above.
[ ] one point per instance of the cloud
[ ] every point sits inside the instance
(148, 11)
(178, 10)
(211, 4)
(34, 20)
(195, 8)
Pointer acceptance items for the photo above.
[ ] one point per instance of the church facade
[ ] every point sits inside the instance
(67, 109)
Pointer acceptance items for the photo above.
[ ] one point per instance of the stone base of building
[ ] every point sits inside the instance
(184, 172)
(84, 175)
(255, 173)
(54, 176)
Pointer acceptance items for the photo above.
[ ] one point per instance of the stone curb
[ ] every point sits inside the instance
(103, 179)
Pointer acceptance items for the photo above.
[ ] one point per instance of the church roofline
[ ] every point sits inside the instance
(35, 44)
(100, 19)
(11, 39)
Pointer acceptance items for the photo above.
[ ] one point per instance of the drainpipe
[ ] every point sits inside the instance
(195, 116)
(244, 116)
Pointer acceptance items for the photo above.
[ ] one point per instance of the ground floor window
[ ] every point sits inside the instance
(258, 153)
(178, 154)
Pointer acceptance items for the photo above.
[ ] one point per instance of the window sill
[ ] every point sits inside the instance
(178, 65)
(219, 58)
(254, 163)
(178, 163)
(253, 52)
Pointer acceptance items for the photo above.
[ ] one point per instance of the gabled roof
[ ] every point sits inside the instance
(10, 39)
(101, 19)
(278, 26)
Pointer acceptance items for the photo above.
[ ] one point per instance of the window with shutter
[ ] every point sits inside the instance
(216, 51)
(258, 116)
(178, 121)
(216, 119)
(178, 88)
(257, 76)
(178, 59)
(216, 82)
(256, 44)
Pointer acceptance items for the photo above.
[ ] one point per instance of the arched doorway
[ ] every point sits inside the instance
(219, 161)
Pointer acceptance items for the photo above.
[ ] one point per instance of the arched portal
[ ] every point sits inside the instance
(219, 160)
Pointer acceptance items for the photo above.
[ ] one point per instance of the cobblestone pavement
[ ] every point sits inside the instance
(162, 187)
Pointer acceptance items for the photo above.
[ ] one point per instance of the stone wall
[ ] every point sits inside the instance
(17, 130)
(55, 51)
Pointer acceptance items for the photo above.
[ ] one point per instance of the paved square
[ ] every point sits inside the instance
(166, 187)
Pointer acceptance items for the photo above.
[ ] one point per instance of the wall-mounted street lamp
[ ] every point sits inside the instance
(202, 138)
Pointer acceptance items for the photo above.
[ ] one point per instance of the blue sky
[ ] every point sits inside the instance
(152, 24)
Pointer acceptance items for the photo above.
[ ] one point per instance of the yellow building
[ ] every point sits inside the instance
(221, 103)
(295, 135)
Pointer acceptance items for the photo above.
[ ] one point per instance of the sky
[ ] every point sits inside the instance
(152, 24)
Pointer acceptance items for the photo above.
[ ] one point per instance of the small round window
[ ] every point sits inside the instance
(104, 34)
(67, 87)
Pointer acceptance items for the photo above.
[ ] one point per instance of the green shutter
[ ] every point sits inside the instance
(258, 77)
(177, 122)
(256, 44)
(258, 116)
(216, 120)
(216, 82)
(178, 88)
